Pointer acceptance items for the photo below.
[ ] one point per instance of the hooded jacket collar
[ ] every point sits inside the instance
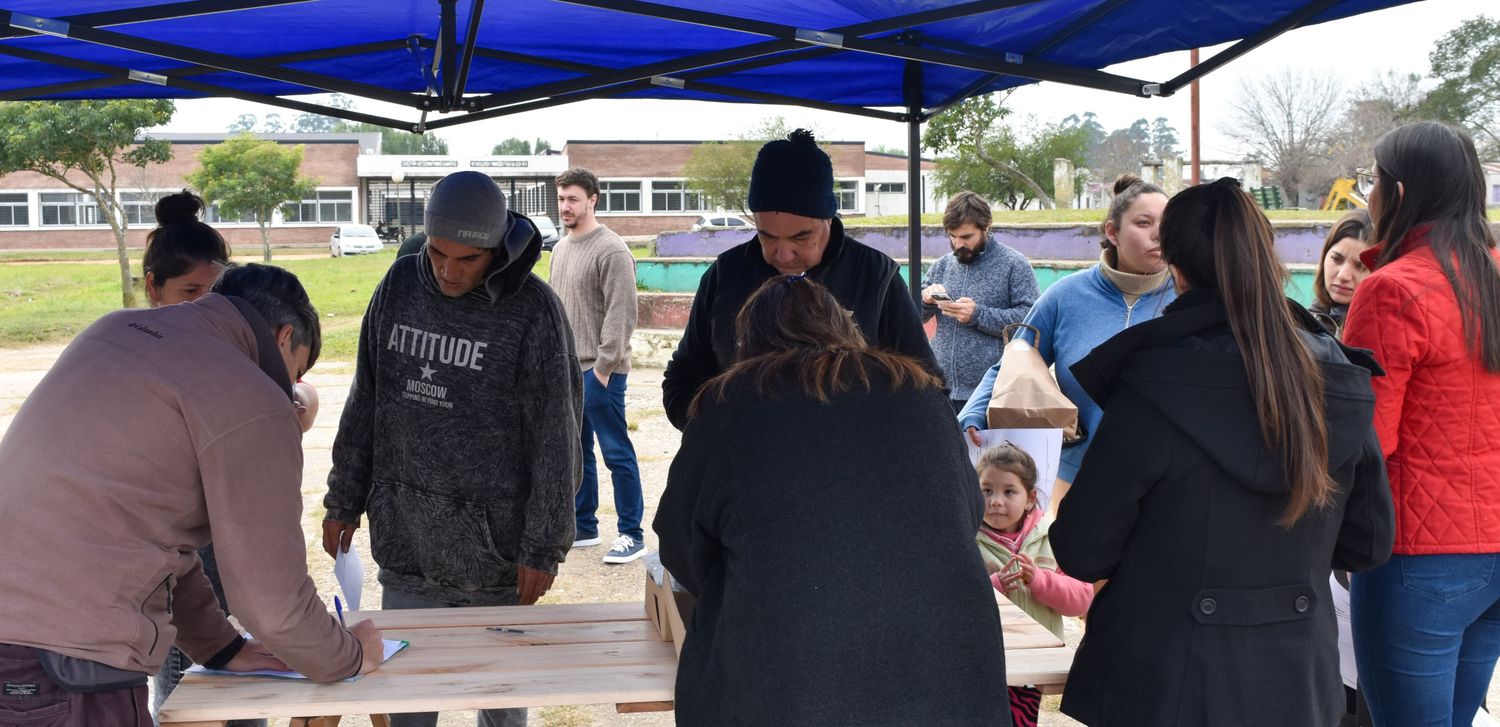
(513, 263)
(1187, 365)
(1414, 240)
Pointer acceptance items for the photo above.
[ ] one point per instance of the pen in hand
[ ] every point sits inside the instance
(338, 607)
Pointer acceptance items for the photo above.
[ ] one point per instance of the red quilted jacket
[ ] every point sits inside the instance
(1437, 410)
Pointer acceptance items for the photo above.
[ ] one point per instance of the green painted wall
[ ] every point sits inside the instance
(682, 275)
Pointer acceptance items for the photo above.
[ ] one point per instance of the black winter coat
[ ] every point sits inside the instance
(831, 547)
(863, 279)
(1214, 614)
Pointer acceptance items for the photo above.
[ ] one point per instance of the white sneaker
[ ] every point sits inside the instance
(586, 542)
(624, 550)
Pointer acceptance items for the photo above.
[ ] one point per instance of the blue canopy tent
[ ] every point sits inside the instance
(901, 60)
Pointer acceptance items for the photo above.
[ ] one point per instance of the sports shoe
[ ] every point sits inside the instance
(624, 550)
(586, 542)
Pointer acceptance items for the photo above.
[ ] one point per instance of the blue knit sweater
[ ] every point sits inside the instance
(1074, 315)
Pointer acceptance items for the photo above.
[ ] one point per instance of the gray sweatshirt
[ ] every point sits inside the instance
(1003, 286)
(460, 434)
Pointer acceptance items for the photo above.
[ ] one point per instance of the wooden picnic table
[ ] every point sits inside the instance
(606, 653)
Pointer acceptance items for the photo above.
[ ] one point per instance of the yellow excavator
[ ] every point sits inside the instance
(1344, 195)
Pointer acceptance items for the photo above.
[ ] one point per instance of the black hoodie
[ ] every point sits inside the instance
(460, 434)
(1214, 613)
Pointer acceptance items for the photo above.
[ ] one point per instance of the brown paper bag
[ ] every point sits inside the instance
(1026, 396)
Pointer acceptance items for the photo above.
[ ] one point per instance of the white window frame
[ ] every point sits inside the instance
(683, 193)
(81, 203)
(24, 204)
(318, 203)
(641, 193)
(855, 187)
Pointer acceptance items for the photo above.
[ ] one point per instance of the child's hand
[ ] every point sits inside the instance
(1025, 570)
(991, 567)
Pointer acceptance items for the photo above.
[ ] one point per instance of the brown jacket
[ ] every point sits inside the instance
(154, 432)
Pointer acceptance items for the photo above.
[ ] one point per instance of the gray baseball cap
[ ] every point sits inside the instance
(468, 208)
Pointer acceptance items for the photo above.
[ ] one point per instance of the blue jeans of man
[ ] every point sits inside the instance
(1426, 637)
(604, 416)
(394, 600)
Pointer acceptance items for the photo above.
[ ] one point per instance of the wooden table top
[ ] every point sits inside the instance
(569, 654)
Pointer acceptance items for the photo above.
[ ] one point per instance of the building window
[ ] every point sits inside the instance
(1495, 194)
(213, 216)
(140, 207)
(15, 209)
(848, 191)
(324, 206)
(885, 187)
(675, 197)
(619, 197)
(68, 208)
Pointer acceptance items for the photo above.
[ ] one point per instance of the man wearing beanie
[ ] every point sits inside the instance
(797, 232)
(460, 434)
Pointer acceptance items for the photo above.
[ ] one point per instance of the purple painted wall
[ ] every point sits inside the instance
(1297, 242)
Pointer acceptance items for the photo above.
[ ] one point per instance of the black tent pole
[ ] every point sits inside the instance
(913, 93)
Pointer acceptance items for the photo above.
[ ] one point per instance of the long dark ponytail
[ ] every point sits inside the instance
(1217, 238)
(1442, 184)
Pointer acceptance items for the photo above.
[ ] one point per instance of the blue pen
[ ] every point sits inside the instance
(338, 607)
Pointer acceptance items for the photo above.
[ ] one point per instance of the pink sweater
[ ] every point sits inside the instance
(1049, 586)
(155, 432)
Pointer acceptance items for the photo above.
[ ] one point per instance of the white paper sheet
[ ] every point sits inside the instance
(350, 572)
(391, 647)
(1044, 446)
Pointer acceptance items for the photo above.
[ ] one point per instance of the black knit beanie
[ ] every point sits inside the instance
(793, 175)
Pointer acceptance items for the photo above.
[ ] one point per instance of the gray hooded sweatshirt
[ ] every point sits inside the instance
(460, 434)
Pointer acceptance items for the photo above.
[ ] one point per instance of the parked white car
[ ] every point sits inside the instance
(721, 222)
(354, 239)
(547, 230)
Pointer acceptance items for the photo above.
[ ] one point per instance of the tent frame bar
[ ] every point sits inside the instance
(1290, 22)
(28, 24)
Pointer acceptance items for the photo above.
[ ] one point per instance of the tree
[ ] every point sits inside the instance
(893, 151)
(1163, 139)
(246, 175)
(310, 123)
(79, 143)
(542, 146)
(721, 169)
(512, 146)
(1283, 120)
(244, 123)
(1389, 100)
(1466, 64)
(971, 130)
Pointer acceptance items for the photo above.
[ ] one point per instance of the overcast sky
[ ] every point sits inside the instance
(1354, 49)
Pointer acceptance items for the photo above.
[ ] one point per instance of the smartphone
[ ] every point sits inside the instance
(942, 297)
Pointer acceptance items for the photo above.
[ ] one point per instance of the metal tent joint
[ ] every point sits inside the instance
(820, 37)
(37, 24)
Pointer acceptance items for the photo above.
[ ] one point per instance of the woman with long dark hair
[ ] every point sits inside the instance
(823, 509)
(1340, 271)
(1427, 624)
(1235, 463)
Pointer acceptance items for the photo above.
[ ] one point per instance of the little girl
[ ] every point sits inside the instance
(1013, 542)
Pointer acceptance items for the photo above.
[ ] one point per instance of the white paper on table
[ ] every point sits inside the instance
(350, 572)
(1044, 446)
(391, 647)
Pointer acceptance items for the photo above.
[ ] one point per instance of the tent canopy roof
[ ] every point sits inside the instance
(452, 61)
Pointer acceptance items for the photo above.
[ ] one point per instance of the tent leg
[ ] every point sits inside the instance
(914, 204)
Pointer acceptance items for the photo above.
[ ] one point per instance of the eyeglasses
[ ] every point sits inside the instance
(1364, 176)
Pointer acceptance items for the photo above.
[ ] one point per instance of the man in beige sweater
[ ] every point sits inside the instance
(593, 273)
(154, 430)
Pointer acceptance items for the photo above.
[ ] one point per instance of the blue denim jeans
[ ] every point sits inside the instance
(394, 600)
(604, 415)
(1426, 637)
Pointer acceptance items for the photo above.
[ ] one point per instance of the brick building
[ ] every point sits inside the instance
(643, 191)
(37, 212)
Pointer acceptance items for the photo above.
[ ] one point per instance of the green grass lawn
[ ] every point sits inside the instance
(52, 301)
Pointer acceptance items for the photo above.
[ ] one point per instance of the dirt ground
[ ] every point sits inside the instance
(584, 578)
